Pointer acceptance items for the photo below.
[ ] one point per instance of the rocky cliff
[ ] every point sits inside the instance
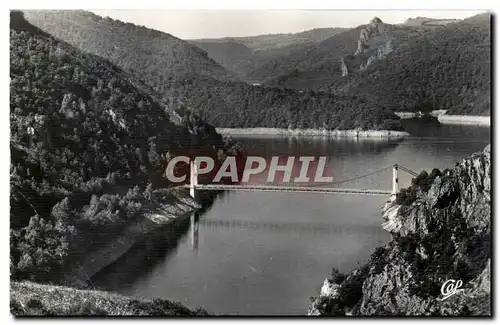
(441, 233)
(375, 42)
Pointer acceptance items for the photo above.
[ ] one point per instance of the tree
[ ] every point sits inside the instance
(61, 212)
(148, 192)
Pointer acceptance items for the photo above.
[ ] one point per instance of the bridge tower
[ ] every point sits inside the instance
(395, 181)
(193, 179)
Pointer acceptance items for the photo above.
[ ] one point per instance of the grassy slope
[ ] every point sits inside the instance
(32, 299)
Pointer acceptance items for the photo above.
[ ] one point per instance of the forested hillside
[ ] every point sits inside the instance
(339, 55)
(447, 68)
(238, 105)
(419, 66)
(88, 150)
(222, 103)
(140, 49)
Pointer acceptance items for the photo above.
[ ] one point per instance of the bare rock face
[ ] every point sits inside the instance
(442, 235)
(343, 67)
(374, 28)
(375, 42)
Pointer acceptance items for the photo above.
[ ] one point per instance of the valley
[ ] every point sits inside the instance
(100, 106)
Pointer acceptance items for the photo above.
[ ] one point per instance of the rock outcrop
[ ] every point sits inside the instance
(376, 41)
(343, 67)
(374, 28)
(443, 234)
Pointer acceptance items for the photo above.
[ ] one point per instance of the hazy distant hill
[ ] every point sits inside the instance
(146, 51)
(274, 41)
(429, 22)
(244, 54)
(232, 55)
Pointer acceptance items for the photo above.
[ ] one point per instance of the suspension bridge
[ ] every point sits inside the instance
(310, 188)
(194, 186)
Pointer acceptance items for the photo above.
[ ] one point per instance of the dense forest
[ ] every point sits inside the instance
(223, 103)
(238, 105)
(88, 149)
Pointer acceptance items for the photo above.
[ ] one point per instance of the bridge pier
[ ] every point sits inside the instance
(194, 230)
(395, 182)
(193, 179)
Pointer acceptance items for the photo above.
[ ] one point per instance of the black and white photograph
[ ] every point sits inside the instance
(200, 163)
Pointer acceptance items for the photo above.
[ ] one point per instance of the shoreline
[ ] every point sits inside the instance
(168, 214)
(443, 118)
(410, 115)
(465, 120)
(313, 132)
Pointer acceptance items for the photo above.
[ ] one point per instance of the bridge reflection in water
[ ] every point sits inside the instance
(268, 226)
(285, 226)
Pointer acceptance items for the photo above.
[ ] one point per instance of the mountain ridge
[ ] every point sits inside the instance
(178, 58)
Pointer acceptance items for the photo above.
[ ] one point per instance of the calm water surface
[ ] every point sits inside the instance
(267, 253)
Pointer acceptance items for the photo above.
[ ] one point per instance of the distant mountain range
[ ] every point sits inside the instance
(429, 22)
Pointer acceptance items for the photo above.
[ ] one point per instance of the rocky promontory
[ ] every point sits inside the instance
(441, 231)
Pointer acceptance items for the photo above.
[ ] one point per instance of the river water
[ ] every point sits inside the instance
(259, 253)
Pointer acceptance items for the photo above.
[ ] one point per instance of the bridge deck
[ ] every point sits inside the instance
(277, 188)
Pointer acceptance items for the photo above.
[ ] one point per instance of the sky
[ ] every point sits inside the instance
(193, 24)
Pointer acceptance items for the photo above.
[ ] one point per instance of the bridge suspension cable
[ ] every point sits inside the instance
(409, 171)
(304, 187)
(354, 178)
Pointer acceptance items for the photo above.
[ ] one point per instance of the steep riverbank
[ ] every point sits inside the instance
(313, 132)
(168, 214)
(441, 232)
